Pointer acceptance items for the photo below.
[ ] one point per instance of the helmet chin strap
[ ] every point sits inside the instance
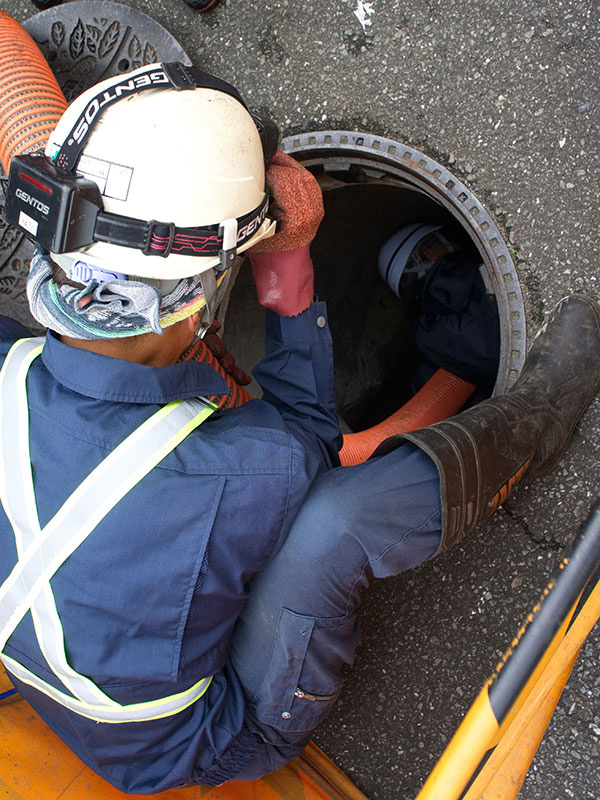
(228, 231)
(208, 280)
(213, 294)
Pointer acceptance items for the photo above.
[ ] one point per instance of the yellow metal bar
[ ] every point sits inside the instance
(461, 757)
(517, 741)
(539, 670)
(504, 772)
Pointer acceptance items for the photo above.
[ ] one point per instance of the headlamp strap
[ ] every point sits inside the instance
(155, 238)
(168, 75)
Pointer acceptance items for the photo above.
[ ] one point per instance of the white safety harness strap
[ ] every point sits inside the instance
(42, 551)
(46, 621)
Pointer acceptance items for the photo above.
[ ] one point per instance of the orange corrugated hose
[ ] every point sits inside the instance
(31, 101)
(443, 395)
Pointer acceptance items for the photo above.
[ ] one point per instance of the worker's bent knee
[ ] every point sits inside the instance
(381, 510)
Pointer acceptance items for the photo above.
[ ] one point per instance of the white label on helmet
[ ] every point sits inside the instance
(29, 224)
(93, 166)
(95, 169)
(117, 183)
(113, 180)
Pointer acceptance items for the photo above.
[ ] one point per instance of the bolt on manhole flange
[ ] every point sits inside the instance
(378, 157)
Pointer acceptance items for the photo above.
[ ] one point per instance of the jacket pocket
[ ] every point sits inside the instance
(303, 678)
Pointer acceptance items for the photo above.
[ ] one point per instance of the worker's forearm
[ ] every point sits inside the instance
(297, 374)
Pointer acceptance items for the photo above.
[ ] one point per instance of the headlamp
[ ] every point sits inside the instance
(63, 211)
(56, 208)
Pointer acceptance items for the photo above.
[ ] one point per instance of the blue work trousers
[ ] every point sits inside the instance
(298, 628)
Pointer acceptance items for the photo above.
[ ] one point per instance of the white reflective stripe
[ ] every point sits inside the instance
(46, 621)
(12, 424)
(51, 639)
(134, 712)
(42, 552)
(110, 481)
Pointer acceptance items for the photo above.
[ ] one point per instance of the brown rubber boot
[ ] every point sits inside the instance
(482, 453)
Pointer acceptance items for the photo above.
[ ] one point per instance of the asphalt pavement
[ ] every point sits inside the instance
(506, 95)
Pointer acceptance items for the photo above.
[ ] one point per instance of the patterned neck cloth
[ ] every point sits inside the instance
(129, 308)
(110, 310)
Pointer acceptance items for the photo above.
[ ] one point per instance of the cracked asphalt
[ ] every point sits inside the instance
(506, 95)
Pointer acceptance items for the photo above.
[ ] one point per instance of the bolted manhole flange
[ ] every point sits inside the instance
(379, 157)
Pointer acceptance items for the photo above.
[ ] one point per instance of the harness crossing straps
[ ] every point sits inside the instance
(41, 552)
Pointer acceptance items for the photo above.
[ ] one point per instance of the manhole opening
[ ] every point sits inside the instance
(372, 187)
(377, 364)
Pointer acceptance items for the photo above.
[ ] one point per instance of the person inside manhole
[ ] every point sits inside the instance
(180, 575)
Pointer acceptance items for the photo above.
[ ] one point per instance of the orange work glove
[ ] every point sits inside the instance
(296, 202)
(282, 267)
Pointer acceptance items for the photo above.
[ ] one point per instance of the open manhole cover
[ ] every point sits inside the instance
(419, 186)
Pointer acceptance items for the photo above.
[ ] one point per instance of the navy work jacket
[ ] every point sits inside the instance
(148, 602)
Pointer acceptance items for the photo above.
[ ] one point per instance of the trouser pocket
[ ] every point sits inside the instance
(304, 675)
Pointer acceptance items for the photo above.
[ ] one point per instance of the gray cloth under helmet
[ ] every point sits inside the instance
(114, 309)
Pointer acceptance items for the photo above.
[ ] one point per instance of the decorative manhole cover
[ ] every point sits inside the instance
(87, 41)
(84, 42)
(15, 254)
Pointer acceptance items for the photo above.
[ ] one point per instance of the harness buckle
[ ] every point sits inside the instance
(157, 244)
(177, 75)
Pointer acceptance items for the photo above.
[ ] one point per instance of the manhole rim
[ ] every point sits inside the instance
(337, 148)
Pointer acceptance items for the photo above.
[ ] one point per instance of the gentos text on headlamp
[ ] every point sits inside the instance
(64, 211)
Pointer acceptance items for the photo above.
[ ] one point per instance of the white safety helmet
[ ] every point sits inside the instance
(397, 255)
(191, 158)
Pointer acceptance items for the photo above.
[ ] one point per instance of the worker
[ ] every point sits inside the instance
(179, 579)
